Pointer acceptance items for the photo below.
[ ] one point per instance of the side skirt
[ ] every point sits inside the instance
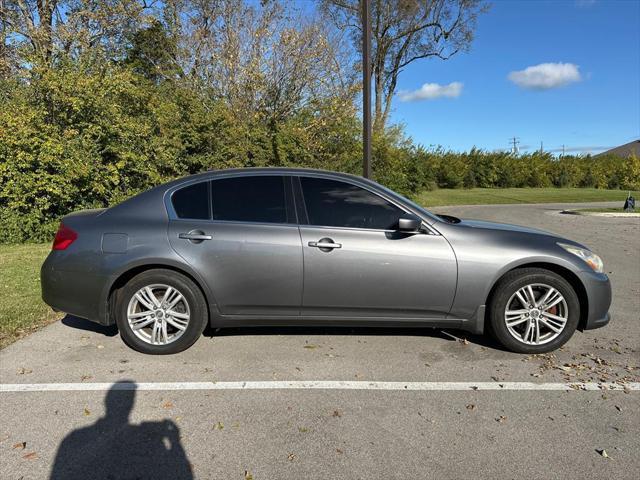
(230, 321)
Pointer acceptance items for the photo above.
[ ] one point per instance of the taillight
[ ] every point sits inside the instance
(64, 237)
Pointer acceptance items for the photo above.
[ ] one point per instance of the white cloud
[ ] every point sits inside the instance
(546, 76)
(430, 91)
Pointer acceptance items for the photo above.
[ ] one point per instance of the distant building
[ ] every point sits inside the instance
(626, 150)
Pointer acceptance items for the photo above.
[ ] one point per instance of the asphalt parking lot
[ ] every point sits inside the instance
(340, 432)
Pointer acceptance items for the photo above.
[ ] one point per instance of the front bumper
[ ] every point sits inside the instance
(598, 290)
(75, 293)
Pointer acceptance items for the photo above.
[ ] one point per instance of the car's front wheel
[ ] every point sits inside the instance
(533, 310)
(160, 312)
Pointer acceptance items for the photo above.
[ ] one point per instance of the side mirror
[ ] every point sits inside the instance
(409, 223)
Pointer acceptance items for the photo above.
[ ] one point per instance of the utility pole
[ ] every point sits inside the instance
(514, 141)
(541, 147)
(563, 149)
(366, 88)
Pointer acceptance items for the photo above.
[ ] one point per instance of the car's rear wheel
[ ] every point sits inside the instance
(160, 312)
(533, 310)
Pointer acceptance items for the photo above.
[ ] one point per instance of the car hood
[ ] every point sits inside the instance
(503, 226)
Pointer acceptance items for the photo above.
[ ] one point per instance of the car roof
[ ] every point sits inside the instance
(281, 170)
(264, 170)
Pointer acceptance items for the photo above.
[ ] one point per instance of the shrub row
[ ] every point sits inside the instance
(74, 138)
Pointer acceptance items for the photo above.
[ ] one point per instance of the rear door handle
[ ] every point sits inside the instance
(325, 243)
(195, 236)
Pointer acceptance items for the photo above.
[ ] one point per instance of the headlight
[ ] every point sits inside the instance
(593, 260)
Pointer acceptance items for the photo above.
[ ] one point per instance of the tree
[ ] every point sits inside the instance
(153, 53)
(262, 58)
(33, 22)
(404, 31)
(46, 31)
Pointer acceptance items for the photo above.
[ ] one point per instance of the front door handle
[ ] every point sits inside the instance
(325, 244)
(196, 236)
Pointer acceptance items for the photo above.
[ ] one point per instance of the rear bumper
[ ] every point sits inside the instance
(598, 289)
(75, 293)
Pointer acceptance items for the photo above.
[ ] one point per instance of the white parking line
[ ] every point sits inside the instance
(317, 385)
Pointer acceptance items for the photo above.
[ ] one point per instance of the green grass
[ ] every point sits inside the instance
(21, 308)
(485, 196)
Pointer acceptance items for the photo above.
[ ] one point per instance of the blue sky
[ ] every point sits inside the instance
(596, 106)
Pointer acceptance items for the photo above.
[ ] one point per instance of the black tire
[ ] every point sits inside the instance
(508, 286)
(198, 312)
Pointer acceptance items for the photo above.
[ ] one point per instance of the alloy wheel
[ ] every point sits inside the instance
(158, 314)
(536, 314)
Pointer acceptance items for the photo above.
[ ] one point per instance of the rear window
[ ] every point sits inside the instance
(192, 201)
(249, 199)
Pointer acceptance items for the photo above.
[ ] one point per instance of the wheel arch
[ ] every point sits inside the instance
(564, 272)
(123, 277)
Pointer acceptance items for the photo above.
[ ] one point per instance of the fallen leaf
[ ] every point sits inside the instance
(167, 404)
(30, 456)
(85, 377)
(20, 445)
(501, 419)
(87, 412)
(464, 341)
(24, 371)
(247, 475)
(619, 408)
(100, 346)
(602, 452)
(339, 451)
(310, 346)
(471, 406)
(337, 413)
(303, 429)
(218, 426)
(291, 457)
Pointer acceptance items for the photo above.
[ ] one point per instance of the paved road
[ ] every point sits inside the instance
(338, 434)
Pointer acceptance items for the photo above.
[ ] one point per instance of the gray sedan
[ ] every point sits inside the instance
(278, 246)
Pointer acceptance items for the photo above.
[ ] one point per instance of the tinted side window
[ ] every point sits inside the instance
(192, 201)
(250, 199)
(338, 204)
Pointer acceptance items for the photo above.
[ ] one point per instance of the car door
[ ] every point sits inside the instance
(357, 265)
(244, 241)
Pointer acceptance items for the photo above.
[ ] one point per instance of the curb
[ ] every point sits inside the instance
(602, 214)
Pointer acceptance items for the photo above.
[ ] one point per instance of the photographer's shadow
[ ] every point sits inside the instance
(112, 448)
